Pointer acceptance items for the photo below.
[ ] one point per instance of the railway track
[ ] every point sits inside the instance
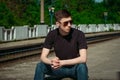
(31, 50)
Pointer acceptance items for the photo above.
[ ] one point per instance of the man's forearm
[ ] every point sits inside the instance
(44, 55)
(73, 61)
(46, 60)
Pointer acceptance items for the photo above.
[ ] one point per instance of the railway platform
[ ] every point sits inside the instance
(103, 61)
(10, 44)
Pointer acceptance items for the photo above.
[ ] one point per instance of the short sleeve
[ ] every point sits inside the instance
(49, 41)
(82, 41)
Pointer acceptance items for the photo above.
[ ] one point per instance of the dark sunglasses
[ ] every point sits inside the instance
(66, 22)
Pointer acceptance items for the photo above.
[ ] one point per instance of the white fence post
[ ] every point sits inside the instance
(30, 32)
(14, 31)
(34, 31)
(11, 33)
(5, 34)
(1, 33)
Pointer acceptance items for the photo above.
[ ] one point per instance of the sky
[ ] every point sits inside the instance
(98, 0)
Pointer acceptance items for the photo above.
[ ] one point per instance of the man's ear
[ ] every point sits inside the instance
(57, 24)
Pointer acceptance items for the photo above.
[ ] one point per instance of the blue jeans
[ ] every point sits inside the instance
(77, 72)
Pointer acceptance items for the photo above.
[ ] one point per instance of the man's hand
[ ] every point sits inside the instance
(55, 63)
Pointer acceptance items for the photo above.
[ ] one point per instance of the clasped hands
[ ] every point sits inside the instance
(56, 63)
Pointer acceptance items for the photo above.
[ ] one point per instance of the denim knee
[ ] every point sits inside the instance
(40, 67)
(82, 72)
(43, 67)
(82, 68)
(40, 71)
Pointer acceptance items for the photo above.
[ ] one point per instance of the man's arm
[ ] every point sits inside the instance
(44, 56)
(81, 59)
(54, 62)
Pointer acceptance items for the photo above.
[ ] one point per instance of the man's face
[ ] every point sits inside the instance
(65, 24)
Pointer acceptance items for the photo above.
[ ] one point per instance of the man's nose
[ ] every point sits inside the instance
(69, 24)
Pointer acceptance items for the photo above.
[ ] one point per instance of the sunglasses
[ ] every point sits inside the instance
(66, 22)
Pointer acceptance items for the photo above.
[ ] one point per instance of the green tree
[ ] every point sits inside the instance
(27, 12)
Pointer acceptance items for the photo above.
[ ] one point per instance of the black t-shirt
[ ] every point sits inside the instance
(66, 47)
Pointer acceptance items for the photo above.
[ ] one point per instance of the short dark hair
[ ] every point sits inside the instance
(62, 14)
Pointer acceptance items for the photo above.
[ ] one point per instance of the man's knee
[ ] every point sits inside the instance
(82, 71)
(82, 68)
(40, 66)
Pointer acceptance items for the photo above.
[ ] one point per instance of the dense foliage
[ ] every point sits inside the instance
(27, 12)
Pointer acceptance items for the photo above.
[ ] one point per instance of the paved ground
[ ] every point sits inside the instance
(103, 60)
(103, 63)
